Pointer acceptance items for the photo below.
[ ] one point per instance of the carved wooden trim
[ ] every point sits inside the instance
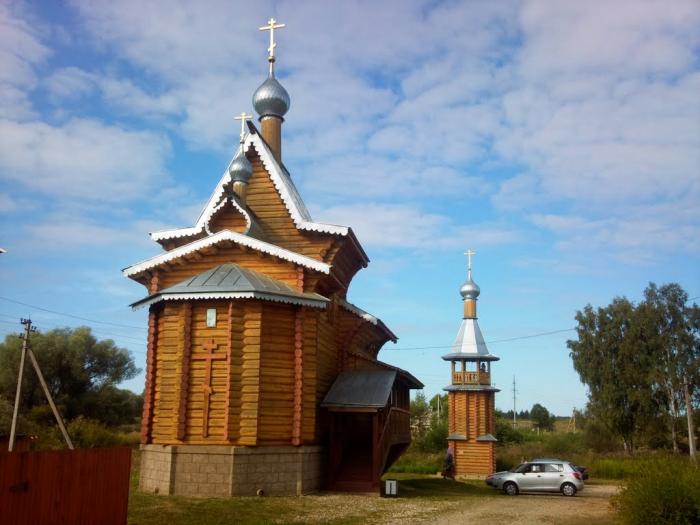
(229, 354)
(154, 283)
(149, 391)
(298, 376)
(185, 370)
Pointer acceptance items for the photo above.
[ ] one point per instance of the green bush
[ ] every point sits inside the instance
(418, 463)
(663, 491)
(506, 434)
(88, 433)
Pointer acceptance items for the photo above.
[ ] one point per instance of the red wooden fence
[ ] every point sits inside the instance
(66, 487)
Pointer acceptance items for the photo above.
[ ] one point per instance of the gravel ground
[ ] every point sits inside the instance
(590, 506)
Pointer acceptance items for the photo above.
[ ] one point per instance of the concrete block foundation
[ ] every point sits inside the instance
(220, 471)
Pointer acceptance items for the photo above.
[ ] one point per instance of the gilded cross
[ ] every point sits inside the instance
(243, 117)
(209, 358)
(271, 26)
(469, 254)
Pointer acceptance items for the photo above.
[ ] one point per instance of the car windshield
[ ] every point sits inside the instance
(520, 468)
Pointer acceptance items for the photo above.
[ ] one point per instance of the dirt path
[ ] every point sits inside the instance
(590, 506)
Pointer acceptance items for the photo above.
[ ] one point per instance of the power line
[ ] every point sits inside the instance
(73, 316)
(530, 336)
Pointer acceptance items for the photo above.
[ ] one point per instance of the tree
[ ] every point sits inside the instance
(613, 358)
(420, 413)
(640, 362)
(82, 374)
(541, 417)
(676, 345)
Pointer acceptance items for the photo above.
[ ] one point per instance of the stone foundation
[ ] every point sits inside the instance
(211, 471)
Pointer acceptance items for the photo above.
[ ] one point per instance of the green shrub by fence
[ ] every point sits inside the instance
(662, 491)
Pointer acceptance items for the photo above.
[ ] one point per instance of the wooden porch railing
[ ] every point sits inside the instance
(471, 378)
(396, 429)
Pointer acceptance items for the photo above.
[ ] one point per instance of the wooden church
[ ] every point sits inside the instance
(261, 377)
(471, 396)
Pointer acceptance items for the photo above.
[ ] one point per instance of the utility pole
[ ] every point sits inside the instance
(25, 343)
(27, 350)
(515, 419)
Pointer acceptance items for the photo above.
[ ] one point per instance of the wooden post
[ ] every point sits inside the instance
(149, 391)
(186, 327)
(298, 377)
(15, 412)
(229, 358)
(59, 420)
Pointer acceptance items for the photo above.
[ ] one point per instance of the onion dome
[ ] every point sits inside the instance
(271, 99)
(240, 169)
(470, 290)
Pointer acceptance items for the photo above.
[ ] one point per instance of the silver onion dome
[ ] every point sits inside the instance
(271, 99)
(240, 169)
(470, 290)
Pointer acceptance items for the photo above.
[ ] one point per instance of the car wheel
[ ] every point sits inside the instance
(510, 488)
(568, 489)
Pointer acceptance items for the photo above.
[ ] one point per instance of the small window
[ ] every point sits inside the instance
(211, 317)
(553, 467)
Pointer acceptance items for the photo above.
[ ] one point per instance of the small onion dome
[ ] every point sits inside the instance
(470, 290)
(240, 169)
(271, 99)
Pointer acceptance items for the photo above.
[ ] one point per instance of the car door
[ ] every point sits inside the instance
(531, 479)
(553, 476)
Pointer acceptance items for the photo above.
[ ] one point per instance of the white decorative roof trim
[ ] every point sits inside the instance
(282, 183)
(233, 295)
(288, 191)
(359, 312)
(227, 235)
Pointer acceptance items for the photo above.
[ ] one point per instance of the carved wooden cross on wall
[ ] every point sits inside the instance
(209, 358)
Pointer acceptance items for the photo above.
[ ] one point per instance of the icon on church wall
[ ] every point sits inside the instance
(211, 317)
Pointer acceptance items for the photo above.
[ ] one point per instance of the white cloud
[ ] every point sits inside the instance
(82, 159)
(405, 226)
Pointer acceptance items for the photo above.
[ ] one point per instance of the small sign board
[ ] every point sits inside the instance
(391, 488)
(211, 317)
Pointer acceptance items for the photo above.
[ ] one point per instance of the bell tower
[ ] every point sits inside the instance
(471, 396)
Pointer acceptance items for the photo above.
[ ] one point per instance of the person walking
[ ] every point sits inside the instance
(448, 471)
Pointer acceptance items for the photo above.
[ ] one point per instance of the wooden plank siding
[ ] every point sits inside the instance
(277, 374)
(228, 218)
(278, 227)
(269, 265)
(168, 365)
(202, 334)
(250, 374)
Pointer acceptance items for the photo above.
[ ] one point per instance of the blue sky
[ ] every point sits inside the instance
(560, 140)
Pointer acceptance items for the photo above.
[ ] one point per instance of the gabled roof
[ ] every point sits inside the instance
(280, 179)
(224, 236)
(231, 281)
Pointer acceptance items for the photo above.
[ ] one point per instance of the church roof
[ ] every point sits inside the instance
(282, 182)
(227, 236)
(360, 389)
(231, 281)
(469, 343)
(369, 318)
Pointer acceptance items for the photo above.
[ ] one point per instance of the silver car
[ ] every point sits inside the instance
(538, 476)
